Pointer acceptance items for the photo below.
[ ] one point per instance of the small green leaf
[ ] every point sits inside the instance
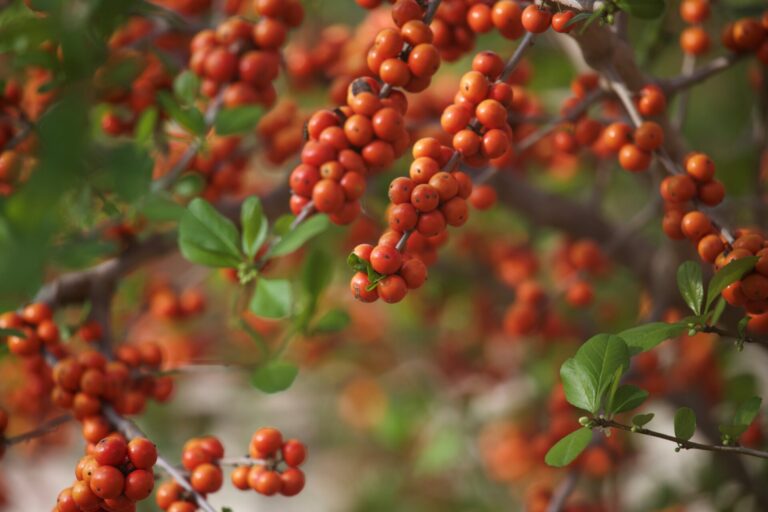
(718, 311)
(730, 273)
(568, 448)
(643, 9)
(333, 321)
(641, 420)
(628, 397)
(12, 332)
(316, 273)
(207, 237)
(741, 327)
(274, 377)
(282, 224)
(186, 87)
(685, 423)
(190, 118)
(613, 388)
(747, 411)
(294, 239)
(145, 126)
(357, 263)
(691, 286)
(647, 336)
(272, 299)
(233, 121)
(255, 226)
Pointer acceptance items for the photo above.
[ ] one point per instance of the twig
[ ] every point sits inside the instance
(130, 430)
(513, 61)
(563, 491)
(713, 67)
(688, 67)
(682, 443)
(45, 428)
(182, 165)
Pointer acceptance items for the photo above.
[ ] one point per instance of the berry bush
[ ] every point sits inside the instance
(562, 205)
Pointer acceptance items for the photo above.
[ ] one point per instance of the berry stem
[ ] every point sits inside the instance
(711, 68)
(688, 67)
(682, 443)
(517, 56)
(130, 430)
(45, 428)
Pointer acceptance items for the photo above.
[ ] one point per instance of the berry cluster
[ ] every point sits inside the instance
(281, 131)
(84, 382)
(201, 457)
(126, 103)
(368, 133)
(694, 40)
(435, 195)
(14, 167)
(166, 302)
(113, 477)
(748, 35)
(244, 57)
(39, 331)
(267, 478)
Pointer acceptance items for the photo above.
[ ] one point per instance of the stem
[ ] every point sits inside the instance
(563, 491)
(45, 428)
(689, 65)
(713, 67)
(167, 180)
(682, 443)
(513, 61)
(130, 430)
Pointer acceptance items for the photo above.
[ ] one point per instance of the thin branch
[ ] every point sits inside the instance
(45, 428)
(682, 443)
(710, 69)
(688, 67)
(713, 329)
(563, 491)
(130, 430)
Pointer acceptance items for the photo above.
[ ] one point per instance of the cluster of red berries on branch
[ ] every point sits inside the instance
(86, 382)
(368, 133)
(201, 456)
(15, 139)
(112, 477)
(435, 195)
(240, 59)
(268, 454)
(694, 40)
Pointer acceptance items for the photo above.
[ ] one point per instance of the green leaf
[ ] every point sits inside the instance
(685, 423)
(294, 239)
(12, 332)
(442, 449)
(587, 375)
(741, 327)
(255, 226)
(186, 87)
(233, 121)
(718, 311)
(691, 286)
(145, 126)
(333, 321)
(730, 273)
(745, 414)
(627, 398)
(129, 171)
(647, 336)
(641, 420)
(282, 224)
(190, 118)
(272, 299)
(613, 389)
(568, 448)
(207, 237)
(274, 377)
(643, 9)
(189, 185)
(161, 207)
(317, 272)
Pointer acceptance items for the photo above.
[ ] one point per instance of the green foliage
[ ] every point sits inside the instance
(744, 415)
(207, 237)
(255, 226)
(186, 86)
(273, 298)
(643, 9)
(732, 272)
(647, 336)
(587, 375)
(334, 320)
(274, 376)
(189, 118)
(568, 448)
(627, 397)
(641, 420)
(294, 239)
(685, 423)
(237, 120)
(691, 285)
